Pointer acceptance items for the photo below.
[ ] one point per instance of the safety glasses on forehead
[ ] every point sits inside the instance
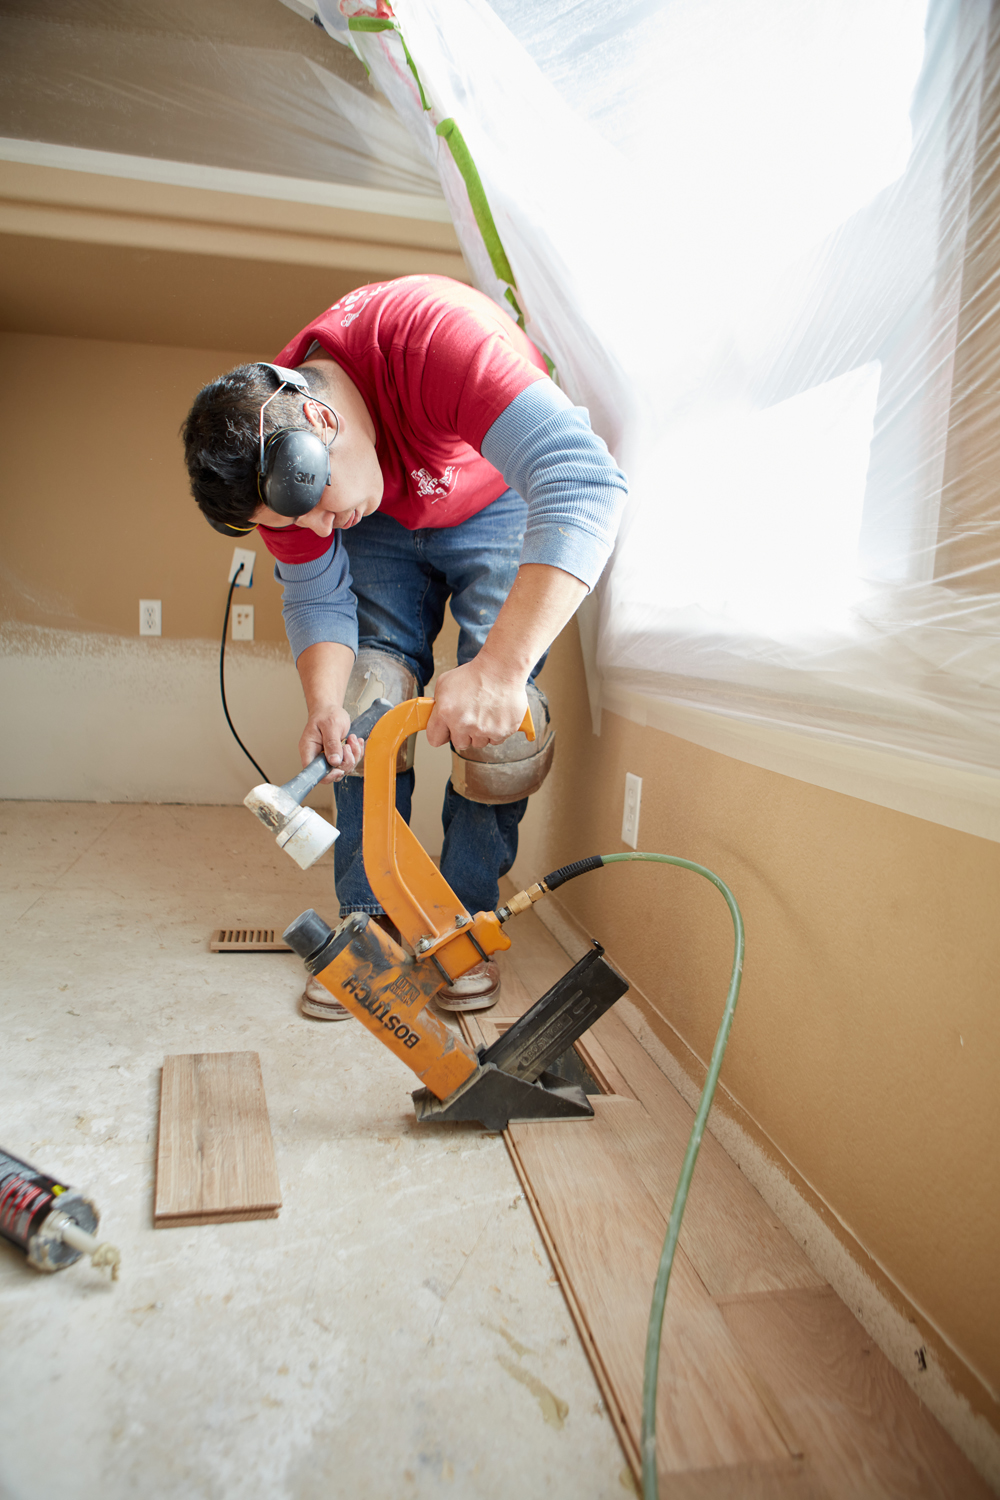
(294, 463)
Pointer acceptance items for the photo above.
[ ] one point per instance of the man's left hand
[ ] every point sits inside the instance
(474, 707)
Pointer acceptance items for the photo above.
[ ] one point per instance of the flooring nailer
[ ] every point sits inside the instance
(388, 988)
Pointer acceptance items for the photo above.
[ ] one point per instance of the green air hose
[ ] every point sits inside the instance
(650, 1485)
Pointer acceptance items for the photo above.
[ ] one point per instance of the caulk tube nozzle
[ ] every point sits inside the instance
(59, 1227)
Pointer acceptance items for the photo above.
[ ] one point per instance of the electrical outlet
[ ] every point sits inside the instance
(247, 556)
(630, 818)
(149, 617)
(242, 622)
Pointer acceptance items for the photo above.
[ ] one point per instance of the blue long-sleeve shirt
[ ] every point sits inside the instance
(546, 450)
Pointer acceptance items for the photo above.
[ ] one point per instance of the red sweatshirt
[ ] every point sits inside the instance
(436, 363)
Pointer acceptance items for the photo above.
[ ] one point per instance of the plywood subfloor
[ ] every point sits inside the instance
(396, 1332)
(769, 1387)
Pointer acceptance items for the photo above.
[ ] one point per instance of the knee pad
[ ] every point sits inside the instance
(377, 674)
(515, 769)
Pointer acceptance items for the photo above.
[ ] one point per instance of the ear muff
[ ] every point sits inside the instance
(295, 471)
(224, 528)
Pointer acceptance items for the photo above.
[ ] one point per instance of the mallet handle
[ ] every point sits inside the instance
(301, 785)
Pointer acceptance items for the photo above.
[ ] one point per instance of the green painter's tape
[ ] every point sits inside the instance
(449, 131)
(509, 294)
(477, 197)
(376, 23)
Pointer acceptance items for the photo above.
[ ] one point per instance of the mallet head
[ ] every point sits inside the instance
(300, 831)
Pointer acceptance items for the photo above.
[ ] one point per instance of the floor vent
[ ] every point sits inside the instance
(247, 940)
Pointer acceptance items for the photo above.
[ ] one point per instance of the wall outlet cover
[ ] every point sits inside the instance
(247, 556)
(630, 817)
(150, 617)
(242, 622)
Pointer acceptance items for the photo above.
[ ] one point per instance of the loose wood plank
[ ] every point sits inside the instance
(609, 1233)
(215, 1156)
(735, 1242)
(865, 1431)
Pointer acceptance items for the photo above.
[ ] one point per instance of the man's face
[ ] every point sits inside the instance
(355, 488)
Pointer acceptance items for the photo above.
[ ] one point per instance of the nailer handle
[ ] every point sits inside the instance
(425, 707)
(301, 785)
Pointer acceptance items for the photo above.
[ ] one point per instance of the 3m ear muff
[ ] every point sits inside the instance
(294, 464)
(224, 528)
(294, 471)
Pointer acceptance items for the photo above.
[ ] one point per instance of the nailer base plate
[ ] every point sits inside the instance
(495, 1099)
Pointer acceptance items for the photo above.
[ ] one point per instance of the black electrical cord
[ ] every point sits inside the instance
(222, 676)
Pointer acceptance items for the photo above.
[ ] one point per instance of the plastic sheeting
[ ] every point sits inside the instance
(757, 241)
(249, 87)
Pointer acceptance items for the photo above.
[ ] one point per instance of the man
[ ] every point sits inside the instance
(457, 471)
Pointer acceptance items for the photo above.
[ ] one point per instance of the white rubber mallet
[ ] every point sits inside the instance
(300, 831)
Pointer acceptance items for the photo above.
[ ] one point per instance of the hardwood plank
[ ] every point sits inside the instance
(215, 1156)
(609, 1233)
(186, 1221)
(735, 1242)
(602, 1067)
(515, 996)
(793, 1479)
(864, 1430)
(593, 1353)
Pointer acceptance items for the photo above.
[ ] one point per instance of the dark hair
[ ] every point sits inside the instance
(221, 443)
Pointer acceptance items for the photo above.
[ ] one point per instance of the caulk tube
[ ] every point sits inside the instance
(51, 1223)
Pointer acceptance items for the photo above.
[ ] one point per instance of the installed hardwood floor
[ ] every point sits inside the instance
(769, 1387)
(609, 1232)
(833, 1379)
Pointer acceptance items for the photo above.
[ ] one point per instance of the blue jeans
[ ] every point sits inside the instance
(403, 580)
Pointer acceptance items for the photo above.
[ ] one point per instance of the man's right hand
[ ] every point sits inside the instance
(324, 734)
(324, 669)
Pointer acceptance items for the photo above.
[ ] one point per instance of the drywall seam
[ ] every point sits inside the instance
(225, 180)
(966, 800)
(897, 1335)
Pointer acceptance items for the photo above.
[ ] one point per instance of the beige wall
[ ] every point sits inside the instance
(865, 1054)
(95, 515)
(120, 295)
(125, 284)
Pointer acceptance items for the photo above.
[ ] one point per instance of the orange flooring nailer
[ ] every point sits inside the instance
(388, 989)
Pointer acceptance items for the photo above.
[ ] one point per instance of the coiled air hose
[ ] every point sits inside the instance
(650, 1485)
